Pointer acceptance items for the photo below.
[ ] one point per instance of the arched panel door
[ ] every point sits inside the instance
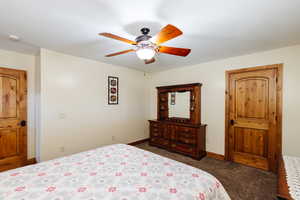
(252, 118)
(13, 129)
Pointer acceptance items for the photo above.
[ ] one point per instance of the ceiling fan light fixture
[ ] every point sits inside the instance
(145, 53)
(147, 46)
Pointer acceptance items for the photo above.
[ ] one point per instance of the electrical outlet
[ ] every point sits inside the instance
(62, 116)
(62, 149)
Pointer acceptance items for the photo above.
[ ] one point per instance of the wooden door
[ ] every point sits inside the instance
(13, 129)
(253, 116)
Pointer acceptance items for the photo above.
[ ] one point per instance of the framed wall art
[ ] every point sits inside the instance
(113, 90)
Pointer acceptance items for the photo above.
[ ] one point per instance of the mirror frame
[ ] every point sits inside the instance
(163, 102)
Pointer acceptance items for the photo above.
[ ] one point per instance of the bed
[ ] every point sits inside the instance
(289, 178)
(115, 172)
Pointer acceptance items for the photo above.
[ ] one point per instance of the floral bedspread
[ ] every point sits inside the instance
(292, 168)
(115, 172)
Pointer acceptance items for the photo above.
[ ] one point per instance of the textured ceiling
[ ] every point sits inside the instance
(212, 29)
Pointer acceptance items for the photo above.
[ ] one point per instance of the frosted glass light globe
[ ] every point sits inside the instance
(145, 53)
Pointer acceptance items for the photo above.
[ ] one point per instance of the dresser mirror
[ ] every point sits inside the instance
(179, 104)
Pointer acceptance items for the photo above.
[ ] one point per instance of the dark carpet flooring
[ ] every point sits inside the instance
(241, 182)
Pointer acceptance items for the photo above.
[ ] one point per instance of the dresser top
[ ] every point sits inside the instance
(179, 86)
(177, 123)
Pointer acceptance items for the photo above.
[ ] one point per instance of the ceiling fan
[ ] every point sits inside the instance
(147, 47)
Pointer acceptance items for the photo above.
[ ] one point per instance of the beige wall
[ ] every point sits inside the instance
(70, 94)
(74, 112)
(9, 59)
(212, 75)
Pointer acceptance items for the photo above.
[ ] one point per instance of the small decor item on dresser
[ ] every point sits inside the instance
(113, 90)
(173, 98)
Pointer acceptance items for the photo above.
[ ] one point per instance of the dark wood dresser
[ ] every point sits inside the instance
(177, 134)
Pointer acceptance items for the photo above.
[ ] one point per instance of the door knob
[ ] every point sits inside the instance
(23, 123)
(232, 122)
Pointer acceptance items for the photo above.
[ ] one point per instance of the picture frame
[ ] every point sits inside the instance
(113, 90)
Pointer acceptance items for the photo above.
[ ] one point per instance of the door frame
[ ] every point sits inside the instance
(279, 82)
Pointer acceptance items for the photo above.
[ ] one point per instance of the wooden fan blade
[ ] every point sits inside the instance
(174, 51)
(167, 33)
(119, 53)
(112, 36)
(152, 60)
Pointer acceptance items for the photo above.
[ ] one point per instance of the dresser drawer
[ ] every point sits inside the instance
(154, 130)
(155, 134)
(160, 141)
(186, 132)
(186, 140)
(154, 124)
(185, 148)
